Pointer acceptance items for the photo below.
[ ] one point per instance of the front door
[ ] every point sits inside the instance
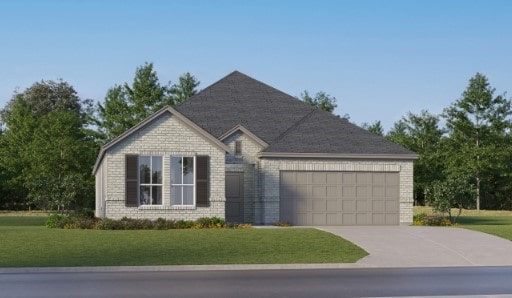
(234, 197)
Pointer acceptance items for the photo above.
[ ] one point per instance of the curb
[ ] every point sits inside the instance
(181, 268)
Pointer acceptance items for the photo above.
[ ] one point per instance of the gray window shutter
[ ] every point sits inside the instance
(202, 181)
(132, 180)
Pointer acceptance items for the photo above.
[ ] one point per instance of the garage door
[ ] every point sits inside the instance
(339, 198)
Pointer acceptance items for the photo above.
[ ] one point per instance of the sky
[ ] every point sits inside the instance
(380, 59)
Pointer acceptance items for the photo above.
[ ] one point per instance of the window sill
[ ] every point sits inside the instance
(166, 207)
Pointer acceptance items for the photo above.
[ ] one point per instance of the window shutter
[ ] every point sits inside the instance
(202, 181)
(132, 180)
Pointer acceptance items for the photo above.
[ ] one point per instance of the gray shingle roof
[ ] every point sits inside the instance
(284, 122)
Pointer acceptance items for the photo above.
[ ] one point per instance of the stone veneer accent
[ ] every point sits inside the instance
(270, 168)
(165, 136)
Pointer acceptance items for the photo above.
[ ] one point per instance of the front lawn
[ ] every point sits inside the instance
(25, 243)
(493, 222)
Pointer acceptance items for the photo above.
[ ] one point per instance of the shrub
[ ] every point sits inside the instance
(424, 219)
(209, 223)
(57, 221)
(282, 223)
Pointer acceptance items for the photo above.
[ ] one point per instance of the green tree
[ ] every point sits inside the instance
(46, 136)
(186, 87)
(478, 122)
(422, 134)
(375, 128)
(447, 194)
(322, 100)
(126, 105)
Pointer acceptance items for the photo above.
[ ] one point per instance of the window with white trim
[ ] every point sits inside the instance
(183, 180)
(150, 180)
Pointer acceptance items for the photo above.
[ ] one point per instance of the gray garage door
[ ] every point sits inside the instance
(339, 198)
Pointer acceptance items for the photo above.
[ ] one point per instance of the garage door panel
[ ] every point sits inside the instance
(349, 206)
(391, 206)
(288, 178)
(391, 219)
(349, 219)
(339, 198)
(391, 191)
(319, 219)
(333, 205)
(319, 191)
(349, 178)
(361, 219)
(362, 206)
(301, 178)
(319, 205)
(378, 219)
(362, 191)
(379, 206)
(334, 178)
(349, 192)
(333, 191)
(319, 178)
(379, 191)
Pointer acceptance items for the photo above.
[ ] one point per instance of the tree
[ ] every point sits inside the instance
(478, 122)
(186, 87)
(375, 128)
(422, 134)
(126, 105)
(47, 138)
(447, 194)
(322, 100)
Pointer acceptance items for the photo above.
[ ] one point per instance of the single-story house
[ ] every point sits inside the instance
(249, 153)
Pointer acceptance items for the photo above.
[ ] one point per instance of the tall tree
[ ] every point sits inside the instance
(477, 123)
(422, 134)
(322, 100)
(46, 136)
(126, 105)
(375, 128)
(186, 87)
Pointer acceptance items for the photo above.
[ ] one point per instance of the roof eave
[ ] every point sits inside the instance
(148, 120)
(402, 156)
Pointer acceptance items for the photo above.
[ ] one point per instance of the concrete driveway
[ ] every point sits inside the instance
(407, 246)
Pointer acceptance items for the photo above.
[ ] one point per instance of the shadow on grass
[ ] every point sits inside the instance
(485, 220)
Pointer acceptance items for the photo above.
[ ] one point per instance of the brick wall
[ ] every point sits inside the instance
(165, 136)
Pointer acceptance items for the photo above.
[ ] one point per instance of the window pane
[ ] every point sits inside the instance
(188, 170)
(188, 195)
(156, 170)
(157, 195)
(176, 195)
(144, 169)
(175, 170)
(145, 196)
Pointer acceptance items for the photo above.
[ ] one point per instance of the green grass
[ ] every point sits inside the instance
(498, 223)
(25, 243)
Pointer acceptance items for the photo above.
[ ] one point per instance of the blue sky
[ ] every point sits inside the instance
(380, 59)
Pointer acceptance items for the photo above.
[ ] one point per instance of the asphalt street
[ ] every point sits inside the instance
(460, 281)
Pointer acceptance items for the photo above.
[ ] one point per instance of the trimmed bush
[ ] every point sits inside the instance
(81, 222)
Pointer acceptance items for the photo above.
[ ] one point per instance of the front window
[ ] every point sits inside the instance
(182, 180)
(150, 177)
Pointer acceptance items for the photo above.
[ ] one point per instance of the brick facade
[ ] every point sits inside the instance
(165, 136)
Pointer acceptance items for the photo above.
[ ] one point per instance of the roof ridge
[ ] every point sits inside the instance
(300, 121)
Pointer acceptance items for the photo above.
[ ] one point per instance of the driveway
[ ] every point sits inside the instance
(407, 246)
